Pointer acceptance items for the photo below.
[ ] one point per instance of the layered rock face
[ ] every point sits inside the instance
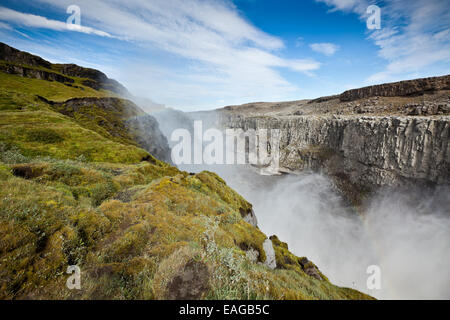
(35, 73)
(368, 151)
(399, 89)
(94, 78)
(392, 134)
(27, 65)
(122, 119)
(11, 54)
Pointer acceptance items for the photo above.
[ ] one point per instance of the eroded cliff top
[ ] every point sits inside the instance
(14, 61)
(419, 97)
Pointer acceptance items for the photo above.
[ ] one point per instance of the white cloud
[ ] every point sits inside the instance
(5, 26)
(31, 20)
(422, 42)
(225, 55)
(358, 6)
(325, 48)
(415, 36)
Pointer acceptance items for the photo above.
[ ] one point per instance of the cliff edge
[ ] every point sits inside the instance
(388, 135)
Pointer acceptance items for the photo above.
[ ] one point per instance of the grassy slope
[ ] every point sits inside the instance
(69, 195)
(27, 123)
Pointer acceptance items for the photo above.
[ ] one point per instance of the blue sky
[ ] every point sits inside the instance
(204, 54)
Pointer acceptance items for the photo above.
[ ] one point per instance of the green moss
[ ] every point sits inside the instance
(121, 245)
(212, 184)
(75, 141)
(286, 260)
(44, 136)
(28, 89)
(31, 125)
(248, 238)
(75, 189)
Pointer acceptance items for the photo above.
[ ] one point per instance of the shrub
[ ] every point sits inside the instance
(10, 154)
(102, 191)
(64, 170)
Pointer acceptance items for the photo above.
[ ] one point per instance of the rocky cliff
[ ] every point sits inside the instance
(121, 119)
(86, 95)
(370, 151)
(22, 63)
(399, 89)
(370, 142)
(77, 188)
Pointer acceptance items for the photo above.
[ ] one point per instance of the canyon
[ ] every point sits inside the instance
(363, 180)
(387, 135)
(83, 182)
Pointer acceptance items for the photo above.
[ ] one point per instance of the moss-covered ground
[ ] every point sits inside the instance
(72, 193)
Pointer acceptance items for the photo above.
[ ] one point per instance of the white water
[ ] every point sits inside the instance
(406, 233)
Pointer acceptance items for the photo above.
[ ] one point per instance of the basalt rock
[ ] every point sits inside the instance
(368, 151)
(31, 66)
(94, 78)
(35, 73)
(399, 89)
(122, 119)
(271, 261)
(11, 54)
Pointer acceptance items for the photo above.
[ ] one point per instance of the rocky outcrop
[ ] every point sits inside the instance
(428, 109)
(365, 151)
(11, 54)
(399, 89)
(35, 73)
(31, 66)
(121, 118)
(271, 261)
(310, 268)
(145, 131)
(94, 78)
(249, 217)
(190, 284)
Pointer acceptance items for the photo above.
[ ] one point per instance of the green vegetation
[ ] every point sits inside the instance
(54, 213)
(74, 190)
(34, 128)
(51, 90)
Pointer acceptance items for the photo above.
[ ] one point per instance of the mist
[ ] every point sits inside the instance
(405, 232)
(410, 243)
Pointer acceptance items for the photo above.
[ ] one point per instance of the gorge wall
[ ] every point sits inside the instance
(363, 152)
(372, 150)
(107, 109)
(399, 89)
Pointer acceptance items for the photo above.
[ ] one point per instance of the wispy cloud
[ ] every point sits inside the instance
(214, 40)
(208, 31)
(299, 42)
(415, 35)
(35, 21)
(358, 6)
(422, 41)
(5, 26)
(325, 48)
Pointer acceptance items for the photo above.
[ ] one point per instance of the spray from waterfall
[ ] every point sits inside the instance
(404, 232)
